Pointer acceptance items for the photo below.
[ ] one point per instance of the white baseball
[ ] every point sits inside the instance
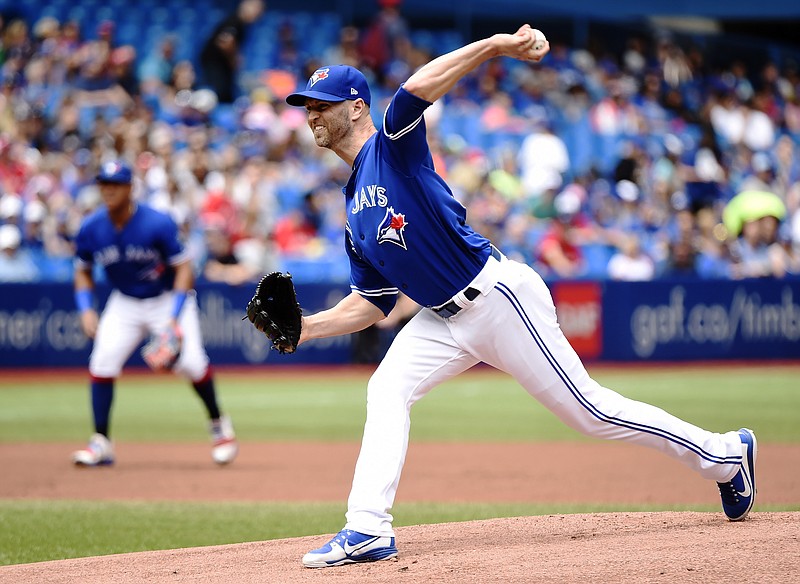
(540, 39)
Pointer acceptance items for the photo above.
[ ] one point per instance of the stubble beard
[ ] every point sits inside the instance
(334, 132)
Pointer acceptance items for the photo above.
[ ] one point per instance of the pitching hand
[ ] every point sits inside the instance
(520, 45)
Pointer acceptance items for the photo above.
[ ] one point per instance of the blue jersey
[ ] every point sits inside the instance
(138, 258)
(405, 231)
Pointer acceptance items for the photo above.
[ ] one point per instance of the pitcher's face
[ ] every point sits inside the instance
(329, 121)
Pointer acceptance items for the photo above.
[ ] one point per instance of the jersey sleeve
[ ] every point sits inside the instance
(367, 282)
(404, 134)
(84, 258)
(173, 249)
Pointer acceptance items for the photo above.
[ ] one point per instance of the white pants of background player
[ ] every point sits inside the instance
(127, 321)
(512, 326)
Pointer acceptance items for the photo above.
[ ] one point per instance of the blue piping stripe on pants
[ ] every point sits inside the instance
(503, 289)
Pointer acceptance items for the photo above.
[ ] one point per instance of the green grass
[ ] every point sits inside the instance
(479, 407)
(34, 531)
(286, 406)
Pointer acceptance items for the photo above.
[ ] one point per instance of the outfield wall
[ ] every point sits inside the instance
(616, 321)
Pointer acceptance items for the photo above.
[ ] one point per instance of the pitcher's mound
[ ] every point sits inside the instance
(603, 547)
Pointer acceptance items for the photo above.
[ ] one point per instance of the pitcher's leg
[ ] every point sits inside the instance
(534, 350)
(422, 356)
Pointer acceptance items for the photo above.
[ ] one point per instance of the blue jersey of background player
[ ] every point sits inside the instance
(406, 232)
(139, 260)
(151, 275)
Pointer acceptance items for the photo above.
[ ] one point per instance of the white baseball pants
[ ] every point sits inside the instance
(512, 326)
(127, 321)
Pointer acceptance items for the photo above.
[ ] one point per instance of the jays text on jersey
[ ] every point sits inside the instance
(138, 258)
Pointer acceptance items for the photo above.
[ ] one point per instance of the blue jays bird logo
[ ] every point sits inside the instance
(111, 168)
(319, 74)
(391, 228)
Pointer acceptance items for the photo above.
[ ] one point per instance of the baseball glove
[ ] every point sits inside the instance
(275, 312)
(161, 352)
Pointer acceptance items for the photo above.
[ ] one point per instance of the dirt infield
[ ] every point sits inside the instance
(564, 472)
(625, 547)
(600, 548)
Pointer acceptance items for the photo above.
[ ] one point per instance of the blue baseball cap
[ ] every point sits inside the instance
(115, 172)
(333, 83)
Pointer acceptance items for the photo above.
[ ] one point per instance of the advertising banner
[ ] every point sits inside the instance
(615, 321)
(748, 319)
(579, 306)
(40, 327)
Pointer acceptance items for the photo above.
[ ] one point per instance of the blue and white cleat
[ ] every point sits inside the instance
(350, 547)
(739, 493)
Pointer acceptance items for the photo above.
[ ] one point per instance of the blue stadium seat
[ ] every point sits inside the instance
(424, 39)
(304, 22)
(55, 269)
(226, 117)
(105, 13)
(57, 9)
(186, 16)
(577, 137)
(130, 34)
(161, 16)
(78, 14)
(446, 41)
(86, 117)
(597, 257)
(317, 269)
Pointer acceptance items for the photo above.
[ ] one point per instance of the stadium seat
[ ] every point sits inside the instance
(105, 13)
(424, 39)
(309, 270)
(597, 257)
(78, 14)
(226, 117)
(130, 34)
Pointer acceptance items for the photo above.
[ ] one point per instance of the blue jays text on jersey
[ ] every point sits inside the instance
(405, 230)
(138, 258)
(369, 196)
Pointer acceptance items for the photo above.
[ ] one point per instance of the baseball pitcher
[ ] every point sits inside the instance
(406, 232)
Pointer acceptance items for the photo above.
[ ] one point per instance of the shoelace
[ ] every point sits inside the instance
(729, 494)
(341, 536)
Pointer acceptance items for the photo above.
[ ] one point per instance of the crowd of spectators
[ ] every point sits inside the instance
(587, 165)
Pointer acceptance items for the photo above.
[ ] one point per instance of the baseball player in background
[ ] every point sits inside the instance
(151, 276)
(406, 232)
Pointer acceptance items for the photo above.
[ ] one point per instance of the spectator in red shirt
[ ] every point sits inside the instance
(560, 254)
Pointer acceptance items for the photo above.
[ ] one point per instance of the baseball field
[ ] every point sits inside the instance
(495, 488)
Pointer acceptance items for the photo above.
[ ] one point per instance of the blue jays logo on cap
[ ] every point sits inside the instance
(333, 83)
(318, 74)
(115, 172)
(392, 227)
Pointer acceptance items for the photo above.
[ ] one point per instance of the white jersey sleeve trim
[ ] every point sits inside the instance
(180, 258)
(376, 292)
(402, 132)
(79, 264)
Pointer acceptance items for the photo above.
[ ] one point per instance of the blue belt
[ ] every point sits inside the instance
(451, 308)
